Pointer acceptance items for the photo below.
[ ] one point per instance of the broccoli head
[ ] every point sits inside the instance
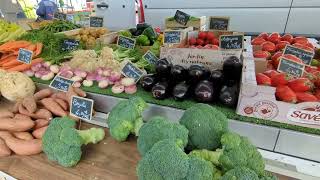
(240, 173)
(200, 169)
(62, 142)
(157, 129)
(126, 118)
(206, 126)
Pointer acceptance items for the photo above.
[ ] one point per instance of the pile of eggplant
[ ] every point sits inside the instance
(196, 82)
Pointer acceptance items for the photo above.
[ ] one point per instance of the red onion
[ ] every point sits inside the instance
(131, 89)
(117, 89)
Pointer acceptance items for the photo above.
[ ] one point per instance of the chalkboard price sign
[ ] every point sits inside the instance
(24, 56)
(70, 44)
(60, 16)
(150, 57)
(172, 37)
(305, 56)
(61, 83)
(126, 42)
(219, 23)
(181, 17)
(70, 17)
(96, 21)
(81, 107)
(130, 70)
(231, 41)
(291, 67)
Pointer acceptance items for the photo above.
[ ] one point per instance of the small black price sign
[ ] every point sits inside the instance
(305, 56)
(81, 107)
(60, 16)
(231, 41)
(24, 56)
(219, 23)
(181, 17)
(291, 67)
(61, 83)
(172, 37)
(96, 21)
(126, 42)
(70, 44)
(131, 71)
(150, 57)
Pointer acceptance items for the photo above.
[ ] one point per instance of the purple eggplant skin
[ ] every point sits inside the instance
(178, 73)
(216, 78)
(160, 90)
(229, 94)
(197, 73)
(163, 68)
(232, 68)
(204, 92)
(181, 91)
(148, 81)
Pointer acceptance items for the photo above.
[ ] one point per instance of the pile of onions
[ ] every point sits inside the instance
(44, 71)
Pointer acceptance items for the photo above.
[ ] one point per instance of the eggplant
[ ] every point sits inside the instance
(204, 91)
(178, 73)
(160, 90)
(229, 94)
(197, 73)
(216, 77)
(163, 68)
(133, 31)
(148, 81)
(232, 68)
(142, 26)
(181, 91)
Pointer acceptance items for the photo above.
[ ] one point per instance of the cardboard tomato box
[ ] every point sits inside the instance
(260, 101)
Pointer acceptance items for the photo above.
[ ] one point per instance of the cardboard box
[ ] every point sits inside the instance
(199, 24)
(260, 101)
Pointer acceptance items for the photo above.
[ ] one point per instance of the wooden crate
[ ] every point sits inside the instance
(199, 24)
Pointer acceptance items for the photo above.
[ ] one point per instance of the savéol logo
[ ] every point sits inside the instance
(304, 116)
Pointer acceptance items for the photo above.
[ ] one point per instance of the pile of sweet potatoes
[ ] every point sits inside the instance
(22, 127)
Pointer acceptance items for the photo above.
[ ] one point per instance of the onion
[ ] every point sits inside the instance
(66, 74)
(91, 77)
(87, 83)
(76, 78)
(131, 89)
(99, 71)
(29, 73)
(47, 77)
(106, 73)
(46, 64)
(115, 76)
(76, 84)
(117, 89)
(54, 68)
(80, 73)
(39, 74)
(65, 68)
(127, 81)
(36, 67)
(103, 84)
(100, 78)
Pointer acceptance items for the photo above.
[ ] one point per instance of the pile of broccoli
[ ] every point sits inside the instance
(200, 147)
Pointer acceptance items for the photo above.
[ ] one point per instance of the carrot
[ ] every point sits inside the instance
(9, 59)
(30, 104)
(23, 135)
(24, 67)
(14, 45)
(11, 63)
(22, 147)
(38, 49)
(16, 125)
(39, 132)
(6, 114)
(4, 149)
(31, 47)
(54, 107)
(44, 93)
(40, 123)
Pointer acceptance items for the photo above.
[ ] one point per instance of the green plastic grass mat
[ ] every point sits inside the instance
(230, 113)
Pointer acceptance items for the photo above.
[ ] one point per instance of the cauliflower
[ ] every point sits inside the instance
(16, 85)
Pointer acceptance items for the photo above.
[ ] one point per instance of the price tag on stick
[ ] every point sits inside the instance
(60, 83)
(219, 23)
(231, 41)
(81, 107)
(150, 57)
(24, 56)
(131, 71)
(291, 67)
(96, 21)
(70, 44)
(181, 17)
(172, 37)
(126, 42)
(304, 55)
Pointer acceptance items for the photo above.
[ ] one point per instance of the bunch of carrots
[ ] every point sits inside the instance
(9, 52)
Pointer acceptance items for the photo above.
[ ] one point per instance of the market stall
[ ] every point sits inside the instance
(192, 101)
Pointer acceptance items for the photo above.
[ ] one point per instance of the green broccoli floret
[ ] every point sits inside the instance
(206, 126)
(157, 129)
(155, 48)
(125, 33)
(126, 118)
(62, 142)
(200, 169)
(143, 40)
(240, 173)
